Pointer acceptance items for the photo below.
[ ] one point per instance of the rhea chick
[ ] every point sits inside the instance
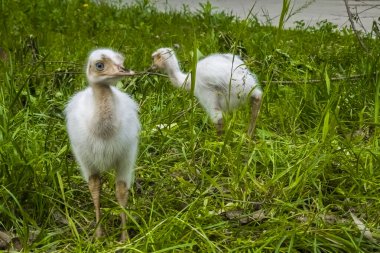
(223, 82)
(103, 128)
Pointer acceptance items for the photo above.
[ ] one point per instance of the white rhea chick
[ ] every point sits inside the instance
(223, 82)
(103, 127)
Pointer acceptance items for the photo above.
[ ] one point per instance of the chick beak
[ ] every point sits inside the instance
(153, 67)
(124, 72)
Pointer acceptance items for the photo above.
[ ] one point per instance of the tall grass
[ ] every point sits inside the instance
(314, 161)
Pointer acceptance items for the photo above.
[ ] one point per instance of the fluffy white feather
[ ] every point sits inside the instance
(95, 153)
(103, 127)
(223, 82)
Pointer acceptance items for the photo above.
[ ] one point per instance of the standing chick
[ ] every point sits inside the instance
(223, 82)
(103, 128)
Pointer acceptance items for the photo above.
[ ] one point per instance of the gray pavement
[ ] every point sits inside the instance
(268, 11)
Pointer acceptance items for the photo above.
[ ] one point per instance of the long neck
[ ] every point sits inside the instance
(177, 77)
(104, 118)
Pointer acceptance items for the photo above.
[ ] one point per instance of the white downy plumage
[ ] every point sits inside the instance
(223, 82)
(103, 127)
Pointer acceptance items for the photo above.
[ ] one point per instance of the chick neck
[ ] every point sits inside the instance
(177, 77)
(104, 118)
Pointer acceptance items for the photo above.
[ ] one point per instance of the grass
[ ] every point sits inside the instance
(315, 159)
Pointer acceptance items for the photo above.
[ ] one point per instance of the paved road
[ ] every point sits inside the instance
(310, 11)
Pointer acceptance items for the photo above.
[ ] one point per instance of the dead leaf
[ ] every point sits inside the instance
(3, 54)
(258, 215)
(362, 228)
(15, 244)
(232, 214)
(60, 218)
(244, 218)
(9, 242)
(4, 240)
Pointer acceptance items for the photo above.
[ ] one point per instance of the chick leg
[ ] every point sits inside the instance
(94, 185)
(210, 102)
(255, 109)
(122, 198)
(219, 127)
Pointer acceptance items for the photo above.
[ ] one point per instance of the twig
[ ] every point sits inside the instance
(81, 72)
(350, 17)
(58, 73)
(353, 77)
(148, 73)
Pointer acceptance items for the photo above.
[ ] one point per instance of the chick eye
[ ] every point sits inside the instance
(99, 66)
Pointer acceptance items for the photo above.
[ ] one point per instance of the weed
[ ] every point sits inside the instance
(315, 159)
